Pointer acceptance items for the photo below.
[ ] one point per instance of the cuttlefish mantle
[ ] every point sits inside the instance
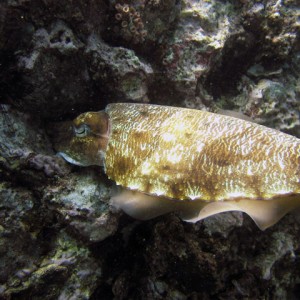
(191, 162)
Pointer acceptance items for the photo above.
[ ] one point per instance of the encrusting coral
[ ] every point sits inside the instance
(59, 237)
(130, 21)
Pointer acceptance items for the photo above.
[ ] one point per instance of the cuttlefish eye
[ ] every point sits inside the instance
(206, 163)
(82, 130)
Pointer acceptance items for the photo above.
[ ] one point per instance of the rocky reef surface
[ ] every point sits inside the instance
(59, 238)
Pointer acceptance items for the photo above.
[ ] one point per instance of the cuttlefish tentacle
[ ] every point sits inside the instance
(192, 162)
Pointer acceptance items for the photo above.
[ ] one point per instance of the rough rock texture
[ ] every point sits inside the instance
(59, 238)
(122, 73)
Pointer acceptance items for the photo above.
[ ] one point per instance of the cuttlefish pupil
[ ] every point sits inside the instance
(192, 162)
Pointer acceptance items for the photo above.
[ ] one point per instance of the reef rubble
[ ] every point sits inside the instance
(59, 237)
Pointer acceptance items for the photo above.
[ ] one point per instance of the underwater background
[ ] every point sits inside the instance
(59, 238)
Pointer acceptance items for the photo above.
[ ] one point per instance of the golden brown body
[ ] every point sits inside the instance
(190, 154)
(212, 163)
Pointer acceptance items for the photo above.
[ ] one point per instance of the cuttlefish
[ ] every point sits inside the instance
(194, 163)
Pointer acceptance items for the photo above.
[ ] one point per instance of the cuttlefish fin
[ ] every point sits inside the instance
(141, 206)
(237, 115)
(264, 213)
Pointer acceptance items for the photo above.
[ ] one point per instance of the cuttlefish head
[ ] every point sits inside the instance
(84, 142)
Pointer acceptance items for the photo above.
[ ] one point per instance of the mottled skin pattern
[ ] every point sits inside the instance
(189, 154)
(212, 163)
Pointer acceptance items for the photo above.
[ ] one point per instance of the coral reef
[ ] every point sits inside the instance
(201, 33)
(142, 23)
(130, 21)
(59, 238)
(45, 67)
(82, 202)
(124, 75)
(45, 210)
(275, 104)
